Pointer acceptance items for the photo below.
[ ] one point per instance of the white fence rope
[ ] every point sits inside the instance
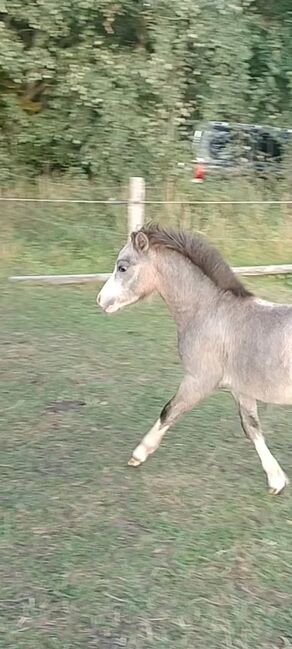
(109, 201)
(113, 201)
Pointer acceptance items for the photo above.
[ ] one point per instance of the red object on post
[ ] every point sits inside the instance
(199, 173)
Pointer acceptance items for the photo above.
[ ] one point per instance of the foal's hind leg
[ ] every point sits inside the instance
(277, 479)
(187, 396)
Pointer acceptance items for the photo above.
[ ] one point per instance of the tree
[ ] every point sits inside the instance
(113, 88)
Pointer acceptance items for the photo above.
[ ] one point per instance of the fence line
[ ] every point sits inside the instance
(218, 202)
(61, 279)
(252, 271)
(109, 201)
(135, 203)
(113, 201)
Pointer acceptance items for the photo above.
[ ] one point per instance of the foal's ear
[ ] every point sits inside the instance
(141, 241)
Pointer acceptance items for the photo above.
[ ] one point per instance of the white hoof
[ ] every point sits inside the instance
(133, 461)
(141, 453)
(277, 481)
(139, 456)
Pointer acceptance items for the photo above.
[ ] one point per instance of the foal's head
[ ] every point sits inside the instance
(135, 273)
(133, 277)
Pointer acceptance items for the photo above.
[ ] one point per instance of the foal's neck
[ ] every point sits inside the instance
(185, 289)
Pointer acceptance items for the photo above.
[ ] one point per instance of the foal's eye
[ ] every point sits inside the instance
(122, 268)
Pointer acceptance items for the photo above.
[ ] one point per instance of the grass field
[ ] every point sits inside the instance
(188, 552)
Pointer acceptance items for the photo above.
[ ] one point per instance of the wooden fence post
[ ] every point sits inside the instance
(136, 207)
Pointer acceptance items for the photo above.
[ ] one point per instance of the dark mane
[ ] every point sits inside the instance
(200, 252)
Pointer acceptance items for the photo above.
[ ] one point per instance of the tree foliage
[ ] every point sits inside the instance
(112, 88)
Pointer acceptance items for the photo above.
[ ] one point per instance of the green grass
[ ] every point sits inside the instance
(188, 552)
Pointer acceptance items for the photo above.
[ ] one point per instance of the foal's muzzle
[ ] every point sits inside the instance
(106, 305)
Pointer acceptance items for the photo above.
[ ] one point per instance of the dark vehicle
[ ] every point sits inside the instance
(236, 148)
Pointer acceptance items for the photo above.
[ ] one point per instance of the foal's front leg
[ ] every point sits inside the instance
(187, 396)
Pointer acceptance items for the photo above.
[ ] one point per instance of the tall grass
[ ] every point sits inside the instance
(58, 237)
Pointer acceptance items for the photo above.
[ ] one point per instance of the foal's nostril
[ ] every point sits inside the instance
(98, 299)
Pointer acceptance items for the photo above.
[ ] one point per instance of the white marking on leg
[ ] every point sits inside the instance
(149, 444)
(276, 477)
